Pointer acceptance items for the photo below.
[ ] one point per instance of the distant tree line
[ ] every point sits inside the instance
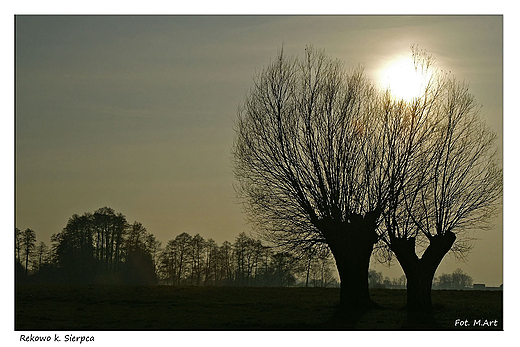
(191, 260)
(457, 280)
(376, 280)
(104, 248)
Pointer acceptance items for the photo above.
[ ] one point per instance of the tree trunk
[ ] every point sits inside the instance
(419, 276)
(419, 306)
(353, 263)
(352, 243)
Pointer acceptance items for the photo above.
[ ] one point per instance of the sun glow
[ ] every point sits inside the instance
(402, 79)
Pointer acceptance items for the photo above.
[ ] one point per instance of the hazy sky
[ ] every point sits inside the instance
(136, 112)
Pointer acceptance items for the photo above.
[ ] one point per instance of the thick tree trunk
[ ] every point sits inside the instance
(419, 276)
(352, 243)
(353, 263)
(418, 296)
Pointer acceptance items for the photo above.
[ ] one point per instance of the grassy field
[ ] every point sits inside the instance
(92, 308)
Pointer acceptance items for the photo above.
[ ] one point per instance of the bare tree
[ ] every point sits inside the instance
(17, 244)
(448, 183)
(153, 246)
(167, 264)
(246, 256)
(211, 263)
(285, 266)
(135, 237)
(42, 255)
(197, 254)
(225, 263)
(182, 248)
(305, 164)
(375, 279)
(318, 268)
(324, 269)
(28, 246)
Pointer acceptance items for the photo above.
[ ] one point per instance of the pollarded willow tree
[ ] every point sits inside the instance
(451, 184)
(307, 169)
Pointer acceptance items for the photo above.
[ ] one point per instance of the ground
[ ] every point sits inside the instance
(92, 308)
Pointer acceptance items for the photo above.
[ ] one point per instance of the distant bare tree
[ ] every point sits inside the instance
(28, 246)
(167, 265)
(246, 253)
(375, 279)
(17, 244)
(326, 271)
(225, 263)
(41, 255)
(399, 282)
(197, 254)
(211, 263)
(285, 267)
(153, 246)
(175, 259)
(456, 280)
(135, 237)
(317, 269)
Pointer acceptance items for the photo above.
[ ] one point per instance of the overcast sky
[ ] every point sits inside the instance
(136, 112)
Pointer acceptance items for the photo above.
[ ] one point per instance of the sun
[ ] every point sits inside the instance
(402, 79)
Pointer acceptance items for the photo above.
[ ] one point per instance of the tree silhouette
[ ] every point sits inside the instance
(135, 236)
(175, 259)
(285, 267)
(138, 267)
(74, 249)
(198, 245)
(448, 182)
(153, 246)
(28, 246)
(211, 263)
(17, 244)
(305, 164)
(247, 253)
(317, 268)
(456, 280)
(460, 280)
(375, 279)
(225, 256)
(41, 254)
